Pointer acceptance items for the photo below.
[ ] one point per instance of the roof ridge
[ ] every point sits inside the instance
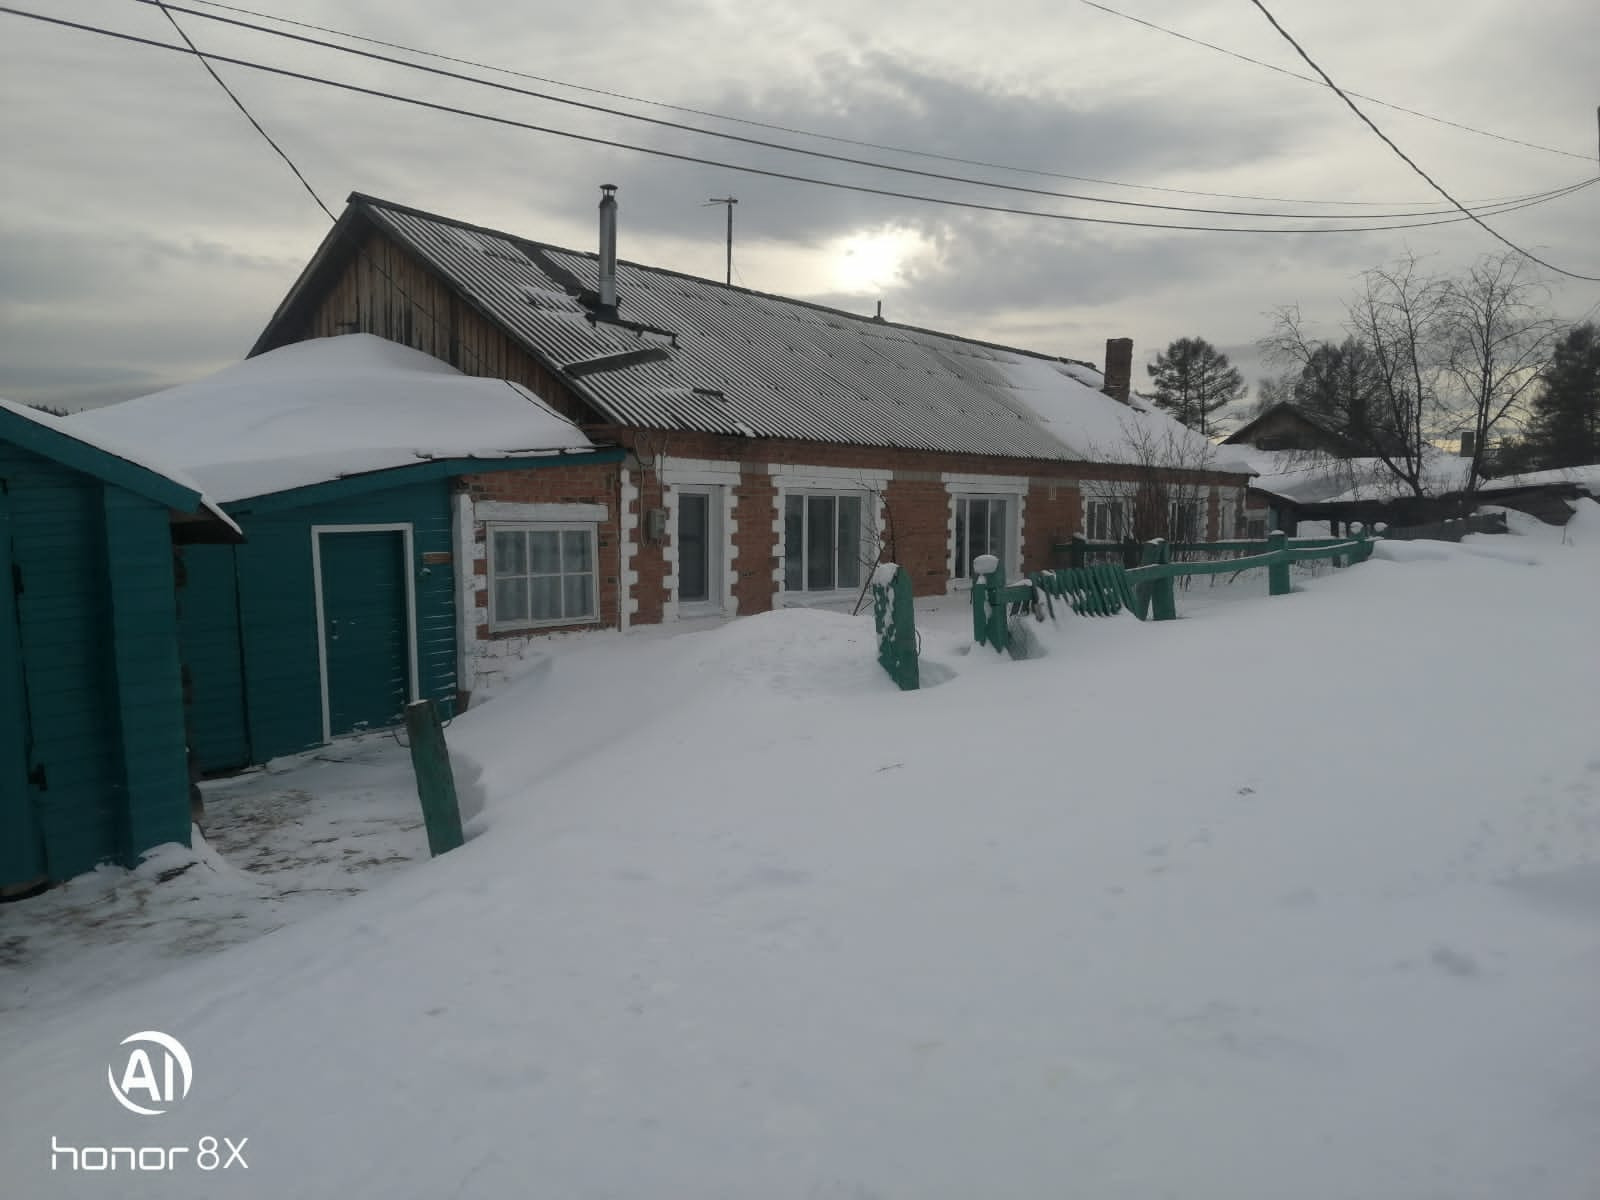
(876, 322)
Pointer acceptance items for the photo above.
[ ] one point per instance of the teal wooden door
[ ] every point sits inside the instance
(21, 847)
(209, 642)
(366, 628)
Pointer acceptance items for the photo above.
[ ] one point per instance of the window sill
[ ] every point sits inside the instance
(817, 599)
(514, 630)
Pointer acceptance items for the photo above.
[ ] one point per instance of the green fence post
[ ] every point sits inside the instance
(436, 785)
(1077, 553)
(1278, 583)
(1163, 598)
(894, 613)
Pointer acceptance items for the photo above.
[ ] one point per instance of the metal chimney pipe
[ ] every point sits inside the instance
(608, 247)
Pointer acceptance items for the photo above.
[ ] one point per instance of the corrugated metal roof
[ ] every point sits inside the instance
(783, 368)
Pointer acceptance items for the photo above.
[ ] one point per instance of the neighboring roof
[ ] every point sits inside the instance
(1246, 433)
(1587, 478)
(330, 408)
(1308, 478)
(691, 354)
(64, 440)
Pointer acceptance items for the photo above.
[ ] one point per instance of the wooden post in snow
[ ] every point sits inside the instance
(436, 785)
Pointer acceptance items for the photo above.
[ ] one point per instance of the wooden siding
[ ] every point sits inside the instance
(278, 621)
(208, 633)
(383, 289)
(149, 688)
(95, 624)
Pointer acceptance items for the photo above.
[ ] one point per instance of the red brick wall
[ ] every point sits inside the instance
(590, 484)
(918, 518)
(755, 547)
(649, 559)
(916, 500)
(1054, 513)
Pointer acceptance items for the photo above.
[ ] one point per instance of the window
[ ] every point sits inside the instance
(1183, 522)
(822, 537)
(541, 575)
(1103, 521)
(981, 525)
(1255, 528)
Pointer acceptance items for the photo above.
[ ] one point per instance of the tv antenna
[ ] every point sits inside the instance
(729, 202)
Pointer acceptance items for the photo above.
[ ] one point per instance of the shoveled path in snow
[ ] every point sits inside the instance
(1298, 897)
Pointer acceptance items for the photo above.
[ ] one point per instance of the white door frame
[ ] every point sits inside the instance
(401, 527)
(712, 605)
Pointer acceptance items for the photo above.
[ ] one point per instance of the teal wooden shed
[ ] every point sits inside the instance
(92, 746)
(337, 458)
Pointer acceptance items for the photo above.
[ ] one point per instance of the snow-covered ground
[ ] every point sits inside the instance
(1297, 897)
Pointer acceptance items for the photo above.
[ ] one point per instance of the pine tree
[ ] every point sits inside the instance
(1565, 427)
(1193, 380)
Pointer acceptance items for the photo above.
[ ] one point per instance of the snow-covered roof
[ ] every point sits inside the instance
(134, 455)
(327, 408)
(693, 354)
(1587, 477)
(1309, 478)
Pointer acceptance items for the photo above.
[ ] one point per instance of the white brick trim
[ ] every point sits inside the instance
(957, 485)
(503, 510)
(799, 477)
(464, 548)
(725, 486)
(628, 546)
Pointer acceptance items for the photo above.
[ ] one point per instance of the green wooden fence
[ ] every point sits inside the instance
(1147, 590)
(894, 613)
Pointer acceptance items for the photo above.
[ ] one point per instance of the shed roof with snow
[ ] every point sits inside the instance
(327, 409)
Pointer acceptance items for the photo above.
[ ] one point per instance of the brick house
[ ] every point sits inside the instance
(448, 442)
(774, 448)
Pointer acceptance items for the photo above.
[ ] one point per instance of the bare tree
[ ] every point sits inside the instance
(1156, 493)
(1500, 338)
(1424, 356)
(1401, 321)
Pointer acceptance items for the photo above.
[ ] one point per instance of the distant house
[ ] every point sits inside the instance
(1287, 426)
(1304, 470)
(92, 759)
(1547, 495)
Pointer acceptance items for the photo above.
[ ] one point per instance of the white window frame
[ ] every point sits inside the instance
(869, 533)
(1106, 503)
(1008, 534)
(521, 625)
(716, 585)
(1198, 532)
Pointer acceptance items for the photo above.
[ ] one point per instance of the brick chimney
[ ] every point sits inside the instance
(1119, 368)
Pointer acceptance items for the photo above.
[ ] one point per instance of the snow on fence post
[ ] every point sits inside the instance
(988, 603)
(894, 614)
(1278, 582)
(436, 785)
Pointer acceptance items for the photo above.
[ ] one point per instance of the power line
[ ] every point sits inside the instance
(1499, 137)
(239, 104)
(837, 185)
(1407, 159)
(763, 144)
(298, 174)
(971, 162)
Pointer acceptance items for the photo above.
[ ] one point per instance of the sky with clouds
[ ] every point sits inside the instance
(147, 233)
